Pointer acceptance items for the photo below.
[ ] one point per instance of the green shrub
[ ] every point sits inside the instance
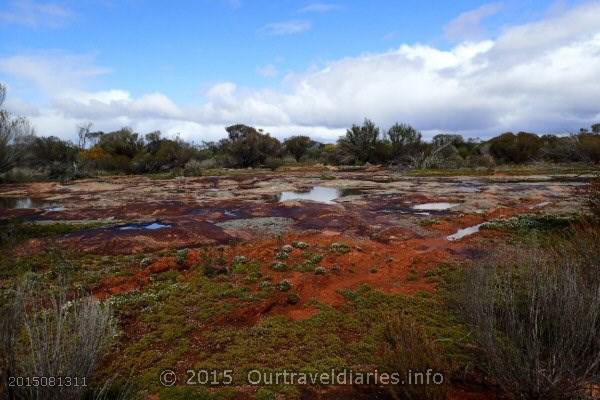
(181, 256)
(339, 248)
(320, 271)
(293, 298)
(300, 245)
(279, 267)
(284, 286)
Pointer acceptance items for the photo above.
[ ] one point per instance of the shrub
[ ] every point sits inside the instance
(193, 168)
(359, 143)
(284, 286)
(273, 163)
(293, 298)
(320, 271)
(300, 245)
(287, 248)
(265, 285)
(181, 256)
(146, 261)
(518, 148)
(279, 267)
(537, 319)
(408, 349)
(54, 337)
(339, 248)
(297, 146)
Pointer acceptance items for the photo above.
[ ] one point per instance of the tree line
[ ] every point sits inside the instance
(22, 152)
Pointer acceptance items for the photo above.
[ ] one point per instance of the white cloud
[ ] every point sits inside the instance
(468, 24)
(286, 27)
(36, 14)
(268, 71)
(540, 76)
(52, 71)
(319, 8)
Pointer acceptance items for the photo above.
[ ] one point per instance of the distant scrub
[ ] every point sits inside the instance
(401, 146)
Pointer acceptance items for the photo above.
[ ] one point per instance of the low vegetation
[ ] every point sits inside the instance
(536, 318)
(52, 337)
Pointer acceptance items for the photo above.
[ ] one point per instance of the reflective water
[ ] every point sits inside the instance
(151, 226)
(28, 202)
(321, 194)
(434, 206)
(461, 233)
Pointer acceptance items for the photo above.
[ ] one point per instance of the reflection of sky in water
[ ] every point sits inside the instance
(461, 233)
(28, 202)
(153, 226)
(434, 206)
(318, 193)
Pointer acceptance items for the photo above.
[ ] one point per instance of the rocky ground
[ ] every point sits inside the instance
(381, 229)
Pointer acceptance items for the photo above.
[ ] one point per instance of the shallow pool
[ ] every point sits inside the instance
(320, 194)
(434, 206)
(29, 202)
(151, 226)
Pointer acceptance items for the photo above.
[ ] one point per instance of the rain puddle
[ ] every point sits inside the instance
(320, 194)
(461, 233)
(29, 202)
(540, 205)
(434, 206)
(151, 226)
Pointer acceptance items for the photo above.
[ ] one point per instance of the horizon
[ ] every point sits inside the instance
(301, 68)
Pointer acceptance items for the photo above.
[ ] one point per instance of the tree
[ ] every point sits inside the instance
(248, 147)
(405, 140)
(297, 146)
(10, 129)
(359, 144)
(123, 142)
(596, 128)
(518, 149)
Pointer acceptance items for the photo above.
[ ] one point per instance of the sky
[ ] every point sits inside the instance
(192, 67)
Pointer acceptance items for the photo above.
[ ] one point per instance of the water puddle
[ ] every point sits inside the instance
(434, 206)
(461, 233)
(320, 194)
(29, 202)
(540, 205)
(151, 226)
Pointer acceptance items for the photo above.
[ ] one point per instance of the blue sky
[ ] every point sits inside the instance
(194, 66)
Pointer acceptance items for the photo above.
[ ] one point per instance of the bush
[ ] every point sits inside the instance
(297, 146)
(279, 267)
(193, 168)
(408, 349)
(517, 149)
(53, 337)
(284, 286)
(537, 319)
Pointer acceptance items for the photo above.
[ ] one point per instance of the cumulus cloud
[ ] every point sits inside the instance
(541, 76)
(36, 14)
(52, 71)
(291, 27)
